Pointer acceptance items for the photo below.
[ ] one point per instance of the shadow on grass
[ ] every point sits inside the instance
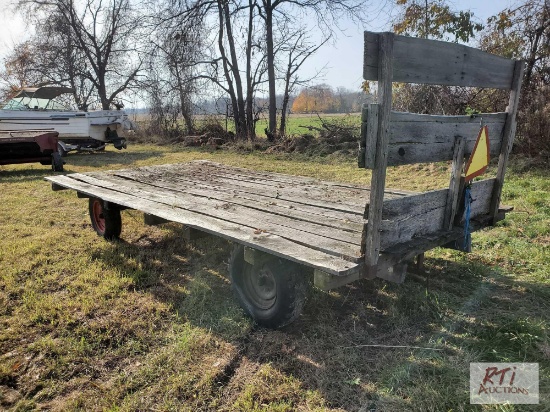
(367, 346)
(105, 158)
(24, 175)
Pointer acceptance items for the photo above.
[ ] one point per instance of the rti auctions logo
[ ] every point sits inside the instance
(497, 383)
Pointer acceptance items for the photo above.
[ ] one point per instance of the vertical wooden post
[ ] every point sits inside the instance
(385, 75)
(454, 186)
(507, 138)
(370, 119)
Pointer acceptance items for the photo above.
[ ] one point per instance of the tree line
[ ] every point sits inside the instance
(176, 52)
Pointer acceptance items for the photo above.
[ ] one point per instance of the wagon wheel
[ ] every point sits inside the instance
(106, 222)
(57, 162)
(273, 292)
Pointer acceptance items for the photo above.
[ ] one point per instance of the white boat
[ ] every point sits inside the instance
(38, 109)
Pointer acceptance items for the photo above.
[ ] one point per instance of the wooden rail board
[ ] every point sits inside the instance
(436, 62)
(265, 242)
(417, 138)
(329, 240)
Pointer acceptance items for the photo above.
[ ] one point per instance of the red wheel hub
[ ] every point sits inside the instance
(97, 214)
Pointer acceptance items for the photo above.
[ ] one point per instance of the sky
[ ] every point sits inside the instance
(342, 60)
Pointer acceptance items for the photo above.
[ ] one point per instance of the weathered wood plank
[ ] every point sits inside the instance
(403, 230)
(481, 191)
(423, 214)
(267, 178)
(509, 135)
(328, 240)
(209, 167)
(406, 251)
(378, 182)
(297, 180)
(436, 62)
(408, 207)
(322, 197)
(266, 242)
(329, 217)
(207, 200)
(417, 138)
(371, 129)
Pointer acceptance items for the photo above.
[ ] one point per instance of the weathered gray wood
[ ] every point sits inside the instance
(408, 207)
(430, 221)
(435, 62)
(324, 197)
(417, 138)
(194, 168)
(207, 199)
(266, 242)
(454, 185)
(327, 281)
(509, 135)
(267, 178)
(330, 241)
(406, 251)
(481, 191)
(378, 182)
(326, 217)
(370, 115)
(425, 213)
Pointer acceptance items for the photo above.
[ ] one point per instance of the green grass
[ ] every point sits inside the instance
(297, 123)
(149, 323)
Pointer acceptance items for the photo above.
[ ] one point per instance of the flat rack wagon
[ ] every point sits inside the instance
(287, 227)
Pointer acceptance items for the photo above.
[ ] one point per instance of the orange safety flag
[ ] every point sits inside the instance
(479, 159)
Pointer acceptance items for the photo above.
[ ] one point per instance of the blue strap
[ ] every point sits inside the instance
(467, 212)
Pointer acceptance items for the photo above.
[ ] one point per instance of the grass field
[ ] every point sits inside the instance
(149, 323)
(297, 123)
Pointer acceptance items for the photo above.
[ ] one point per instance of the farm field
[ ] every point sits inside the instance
(149, 322)
(297, 123)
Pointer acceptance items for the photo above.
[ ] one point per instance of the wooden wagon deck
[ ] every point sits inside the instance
(313, 222)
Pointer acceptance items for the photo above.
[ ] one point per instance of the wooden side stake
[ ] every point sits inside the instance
(508, 138)
(385, 75)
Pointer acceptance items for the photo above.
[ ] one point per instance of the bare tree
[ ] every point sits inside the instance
(327, 12)
(295, 49)
(96, 43)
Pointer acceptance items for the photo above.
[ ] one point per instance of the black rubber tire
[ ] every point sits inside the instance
(57, 162)
(290, 284)
(106, 222)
